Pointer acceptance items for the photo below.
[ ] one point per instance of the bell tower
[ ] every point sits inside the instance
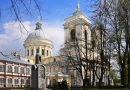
(77, 29)
(76, 25)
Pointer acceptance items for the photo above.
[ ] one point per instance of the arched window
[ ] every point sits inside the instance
(43, 52)
(72, 34)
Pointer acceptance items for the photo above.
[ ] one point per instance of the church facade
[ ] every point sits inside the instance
(77, 28)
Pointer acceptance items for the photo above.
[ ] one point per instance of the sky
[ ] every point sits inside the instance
(53, 12)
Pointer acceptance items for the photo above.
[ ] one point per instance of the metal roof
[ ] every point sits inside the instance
(12, 58)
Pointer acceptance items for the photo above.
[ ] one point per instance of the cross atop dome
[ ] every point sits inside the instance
(77, 11)
(38, 26)
(78, 6)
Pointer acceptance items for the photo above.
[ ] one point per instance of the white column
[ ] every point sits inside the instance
(51, 52)
(25, 51)
(40, 50)
(78, 31)
(65, 37)
(29, 51)
(44, 51)
(34, 51)
(13, 67)
(67, 34)
(13, 81)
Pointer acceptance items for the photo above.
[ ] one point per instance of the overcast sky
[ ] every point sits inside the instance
(53, 12)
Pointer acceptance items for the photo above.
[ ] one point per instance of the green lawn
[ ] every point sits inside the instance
(82, 89)
(110, 89)
(103, 89)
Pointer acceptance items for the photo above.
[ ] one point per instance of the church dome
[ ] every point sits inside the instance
(38, 36)
(37, 43)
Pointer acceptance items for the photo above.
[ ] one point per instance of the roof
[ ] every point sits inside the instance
(12, 58)
(38, 33)
(78, 15)
(38, 36)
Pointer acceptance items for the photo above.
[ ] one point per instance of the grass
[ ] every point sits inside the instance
(82, 89)
(102, 89)
(98, 89)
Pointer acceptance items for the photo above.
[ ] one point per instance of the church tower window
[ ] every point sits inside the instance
(47, 52)
(54, 60)
(43, 52)
(73, 35)
(37, 50)
(28, 52)
(85, 35)
(32, 52)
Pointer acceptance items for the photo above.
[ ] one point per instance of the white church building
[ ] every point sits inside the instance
(57, 68)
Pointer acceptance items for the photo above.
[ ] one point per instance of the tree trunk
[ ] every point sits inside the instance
(100, 80)
(84, 82)
(102, 67)
(129, 67)
(93, 77)
(100, 83)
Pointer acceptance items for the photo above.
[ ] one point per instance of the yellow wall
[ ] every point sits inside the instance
(31, 58)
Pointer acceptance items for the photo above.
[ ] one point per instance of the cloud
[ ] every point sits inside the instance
(14, 36)
(56, 34)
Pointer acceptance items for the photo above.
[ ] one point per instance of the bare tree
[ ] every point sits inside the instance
(84, 56)
(18, 8)
(78, 58)
(100, 47)
(116, 15)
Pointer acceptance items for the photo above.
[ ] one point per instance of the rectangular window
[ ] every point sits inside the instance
(16, 70)
(2, 80)
(22, 81)
(2, 68)
(9, 80)
(27, 70)
(47, 52)
(22, 70)
(28, 81)
(9, 69)
(16, 81)
(28, 52)
(32, 52)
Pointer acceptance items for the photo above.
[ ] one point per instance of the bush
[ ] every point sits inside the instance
(61, 85)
